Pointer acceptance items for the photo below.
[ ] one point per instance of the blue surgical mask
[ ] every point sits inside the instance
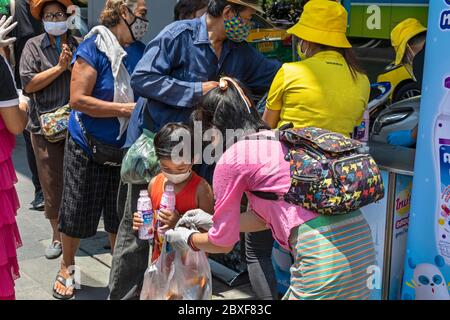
(56, 28)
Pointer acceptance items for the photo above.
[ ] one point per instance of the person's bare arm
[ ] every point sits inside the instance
(272, 118)
(15, 118)
(83, 82)
(44, 79)
(249, 222)
(201, 242)
(205, 197)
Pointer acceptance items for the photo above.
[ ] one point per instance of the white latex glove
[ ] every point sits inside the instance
(5, 28)
(179, 238)
(196, 219)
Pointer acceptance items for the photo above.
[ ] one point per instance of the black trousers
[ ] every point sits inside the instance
(258, 254)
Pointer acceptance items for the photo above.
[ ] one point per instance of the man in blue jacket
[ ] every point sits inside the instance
(179, 67)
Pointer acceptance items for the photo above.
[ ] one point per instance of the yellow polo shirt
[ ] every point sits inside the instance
(320, 92)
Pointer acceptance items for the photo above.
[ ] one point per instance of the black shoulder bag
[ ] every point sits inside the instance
(102, 153)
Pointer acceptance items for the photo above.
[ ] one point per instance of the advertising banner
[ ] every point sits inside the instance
(402, 208)
(427, 261)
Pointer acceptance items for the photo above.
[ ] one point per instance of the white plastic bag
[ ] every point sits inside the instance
(178, 275)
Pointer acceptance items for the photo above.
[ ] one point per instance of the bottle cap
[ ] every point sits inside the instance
(170, 187)
(447, 83)
(143, 193)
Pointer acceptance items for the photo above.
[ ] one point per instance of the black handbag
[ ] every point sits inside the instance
(102, 153)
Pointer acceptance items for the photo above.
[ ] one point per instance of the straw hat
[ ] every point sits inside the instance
(323, 22)
(249, 3)
(36, 6)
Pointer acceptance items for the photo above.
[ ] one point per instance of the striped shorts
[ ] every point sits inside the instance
(331, 259)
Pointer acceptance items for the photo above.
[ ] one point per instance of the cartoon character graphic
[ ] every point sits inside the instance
(428, 282)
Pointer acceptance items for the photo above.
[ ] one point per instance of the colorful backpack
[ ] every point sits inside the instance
(328, 174)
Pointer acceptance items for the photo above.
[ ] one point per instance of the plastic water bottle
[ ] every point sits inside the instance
(144, 207)
(168, 202)
(441, 141)
(362, 132)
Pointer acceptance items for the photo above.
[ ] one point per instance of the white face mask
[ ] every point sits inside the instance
(177, 178)
(56, 28)
(301, 54)
(408, 61)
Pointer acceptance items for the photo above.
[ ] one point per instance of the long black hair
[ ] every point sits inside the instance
(224, 109)
(216, 7)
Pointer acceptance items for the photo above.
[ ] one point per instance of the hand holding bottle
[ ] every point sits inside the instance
(168, 219)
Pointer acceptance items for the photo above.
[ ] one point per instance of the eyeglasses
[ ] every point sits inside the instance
(137, 16)
(51, 16)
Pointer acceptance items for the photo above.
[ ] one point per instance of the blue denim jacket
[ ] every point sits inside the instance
(177, 62)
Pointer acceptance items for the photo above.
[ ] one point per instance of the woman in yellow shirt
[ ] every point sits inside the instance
(327, 89)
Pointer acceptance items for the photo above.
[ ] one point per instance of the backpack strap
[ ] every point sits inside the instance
(286, 126)
(266, 195)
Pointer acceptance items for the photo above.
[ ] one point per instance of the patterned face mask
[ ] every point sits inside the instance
(236, 29)
(138, 28)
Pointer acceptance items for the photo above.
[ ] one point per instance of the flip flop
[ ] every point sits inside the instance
(65, 283)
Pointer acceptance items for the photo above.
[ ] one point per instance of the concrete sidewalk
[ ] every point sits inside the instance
(38, 273)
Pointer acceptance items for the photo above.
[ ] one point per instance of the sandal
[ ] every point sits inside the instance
(67, 283)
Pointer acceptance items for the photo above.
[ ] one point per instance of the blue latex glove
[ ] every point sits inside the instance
(401, 138)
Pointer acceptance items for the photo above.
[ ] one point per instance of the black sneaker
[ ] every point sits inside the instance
(35, 196)
(38, 203)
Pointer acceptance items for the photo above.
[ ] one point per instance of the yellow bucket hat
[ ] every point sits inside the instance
(324, 22)
(402, 33)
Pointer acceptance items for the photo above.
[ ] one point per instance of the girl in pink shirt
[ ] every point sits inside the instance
(331, 253)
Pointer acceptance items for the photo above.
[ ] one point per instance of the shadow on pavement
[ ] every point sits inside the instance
(92, 293)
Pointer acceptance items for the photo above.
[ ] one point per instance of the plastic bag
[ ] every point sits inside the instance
(140, 164)
(178, 275)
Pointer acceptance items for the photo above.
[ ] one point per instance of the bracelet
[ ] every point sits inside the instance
(191, 243)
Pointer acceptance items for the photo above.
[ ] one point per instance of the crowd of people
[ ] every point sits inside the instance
(110, 87)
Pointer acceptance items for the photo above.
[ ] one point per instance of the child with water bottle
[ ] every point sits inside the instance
(177, 189)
